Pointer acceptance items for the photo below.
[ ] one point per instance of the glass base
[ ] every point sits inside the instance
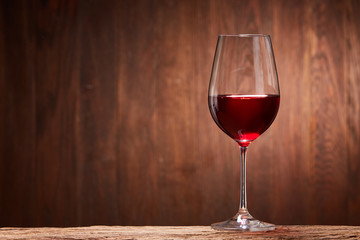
(244, 222)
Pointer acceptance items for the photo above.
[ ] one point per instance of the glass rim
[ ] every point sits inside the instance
(244, 35)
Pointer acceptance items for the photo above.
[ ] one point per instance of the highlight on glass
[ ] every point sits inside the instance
(244, 98)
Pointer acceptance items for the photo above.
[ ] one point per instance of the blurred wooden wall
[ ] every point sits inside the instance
(104, 117)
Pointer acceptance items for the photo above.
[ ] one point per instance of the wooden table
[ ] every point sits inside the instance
(193, 232)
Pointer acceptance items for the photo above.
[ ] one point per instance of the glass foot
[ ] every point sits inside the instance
(243, 221)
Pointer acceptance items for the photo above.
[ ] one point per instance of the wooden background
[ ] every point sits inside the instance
(104, 117)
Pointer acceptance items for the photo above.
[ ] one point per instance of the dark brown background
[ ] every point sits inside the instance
(104, 117)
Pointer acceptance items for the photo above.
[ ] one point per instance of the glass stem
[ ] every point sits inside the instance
(243, 204)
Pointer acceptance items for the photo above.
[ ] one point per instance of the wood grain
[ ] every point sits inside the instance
(104, 116)
(19, 130)
(96, 126)
(327, 87)
(195, 232)
(55, 77)
(352, 75)
(292, 151)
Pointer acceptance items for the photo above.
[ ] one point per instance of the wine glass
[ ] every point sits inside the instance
(244, 98)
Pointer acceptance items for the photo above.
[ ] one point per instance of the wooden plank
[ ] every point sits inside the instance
(195, 232)
(136, 95)
(2, 101)
(55, 75)
(158, 119)
(352, 75)
(18, 116)
(174, 115)
(328, 115)
(291, 129)
(96, 115)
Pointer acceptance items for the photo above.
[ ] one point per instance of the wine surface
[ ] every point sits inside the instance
(244, 117)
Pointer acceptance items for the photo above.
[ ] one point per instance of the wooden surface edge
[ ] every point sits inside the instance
(179, 232)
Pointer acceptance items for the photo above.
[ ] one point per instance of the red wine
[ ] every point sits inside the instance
(244, 117)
